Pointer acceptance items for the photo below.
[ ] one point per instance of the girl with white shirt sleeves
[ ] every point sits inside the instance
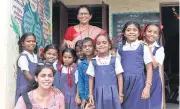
(68, 78)
(133, 56)
(26, 63)
(107, 72)
(51, 54)
(152, 33)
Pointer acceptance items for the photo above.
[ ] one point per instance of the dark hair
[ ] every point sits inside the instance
(78, 44)
(21, 40)
(87, 39)
(72, 51)
(39, 68)
(125, 27)
(160, 32)
(51, 46)
(105, 35)
(84, 6)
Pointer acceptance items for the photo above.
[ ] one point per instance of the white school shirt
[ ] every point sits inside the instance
(159, 56)
(104, 61)
(133, 46)
(23, 62)
(65, 70)
(55, 64)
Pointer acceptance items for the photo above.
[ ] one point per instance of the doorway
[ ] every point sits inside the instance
(65, 16)
(170, 22)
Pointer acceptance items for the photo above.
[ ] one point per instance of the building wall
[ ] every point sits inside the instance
(21, 16)
(4, 20)
(116, 6)
(11, 26)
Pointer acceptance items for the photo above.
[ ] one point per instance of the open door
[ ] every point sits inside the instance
(60, 22)
(170, 22)
(105, 16)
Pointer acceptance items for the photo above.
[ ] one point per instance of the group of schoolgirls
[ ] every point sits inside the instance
(90, 74)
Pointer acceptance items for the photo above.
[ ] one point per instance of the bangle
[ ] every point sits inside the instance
(121, 95)
(148, 83)
(90, 95)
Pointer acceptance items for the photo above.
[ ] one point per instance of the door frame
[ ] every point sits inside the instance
(164, 4)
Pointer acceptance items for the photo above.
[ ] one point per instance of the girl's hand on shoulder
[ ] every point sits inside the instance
(143, 42)
(121, 98)
(55, 90)
(145, 93)
(74, 65)
(70, 44)
(78, 100)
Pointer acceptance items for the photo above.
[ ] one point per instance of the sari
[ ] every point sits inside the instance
(91, 31)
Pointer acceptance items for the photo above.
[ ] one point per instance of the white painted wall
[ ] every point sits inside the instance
(4, 21)
(9, 53)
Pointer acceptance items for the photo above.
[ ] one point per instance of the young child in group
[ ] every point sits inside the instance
(107, 72)
(51, 54)
(133, 56)
(79, 52)
(68, 78)
(152, 33)
(26, 63)
(83, 78)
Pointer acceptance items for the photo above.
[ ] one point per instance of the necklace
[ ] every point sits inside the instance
(80, 32)
(87, 34)
(103, 60)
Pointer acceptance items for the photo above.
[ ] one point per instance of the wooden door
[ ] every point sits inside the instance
(105, 16)
(60, 22)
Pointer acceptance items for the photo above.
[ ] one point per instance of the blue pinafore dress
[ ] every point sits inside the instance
(106, 87)
(134, 78)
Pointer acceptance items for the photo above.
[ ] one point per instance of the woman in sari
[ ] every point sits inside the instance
(83, 29)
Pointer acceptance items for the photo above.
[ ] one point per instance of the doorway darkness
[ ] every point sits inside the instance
(171, 46)
(171, 34)
(97, 19)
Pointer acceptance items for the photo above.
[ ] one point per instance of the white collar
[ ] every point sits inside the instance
(155, 44)
(97, 57)
(63, 66)
(29, 54)
(133, 43)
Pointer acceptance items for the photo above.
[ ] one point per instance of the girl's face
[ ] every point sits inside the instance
(102, 44)
(152, 33)
(88, 48)
(131, 33)
(79, 52)
(29, 44)
(68, 58)
(51, 55)
(84, 16)
(45, 78)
